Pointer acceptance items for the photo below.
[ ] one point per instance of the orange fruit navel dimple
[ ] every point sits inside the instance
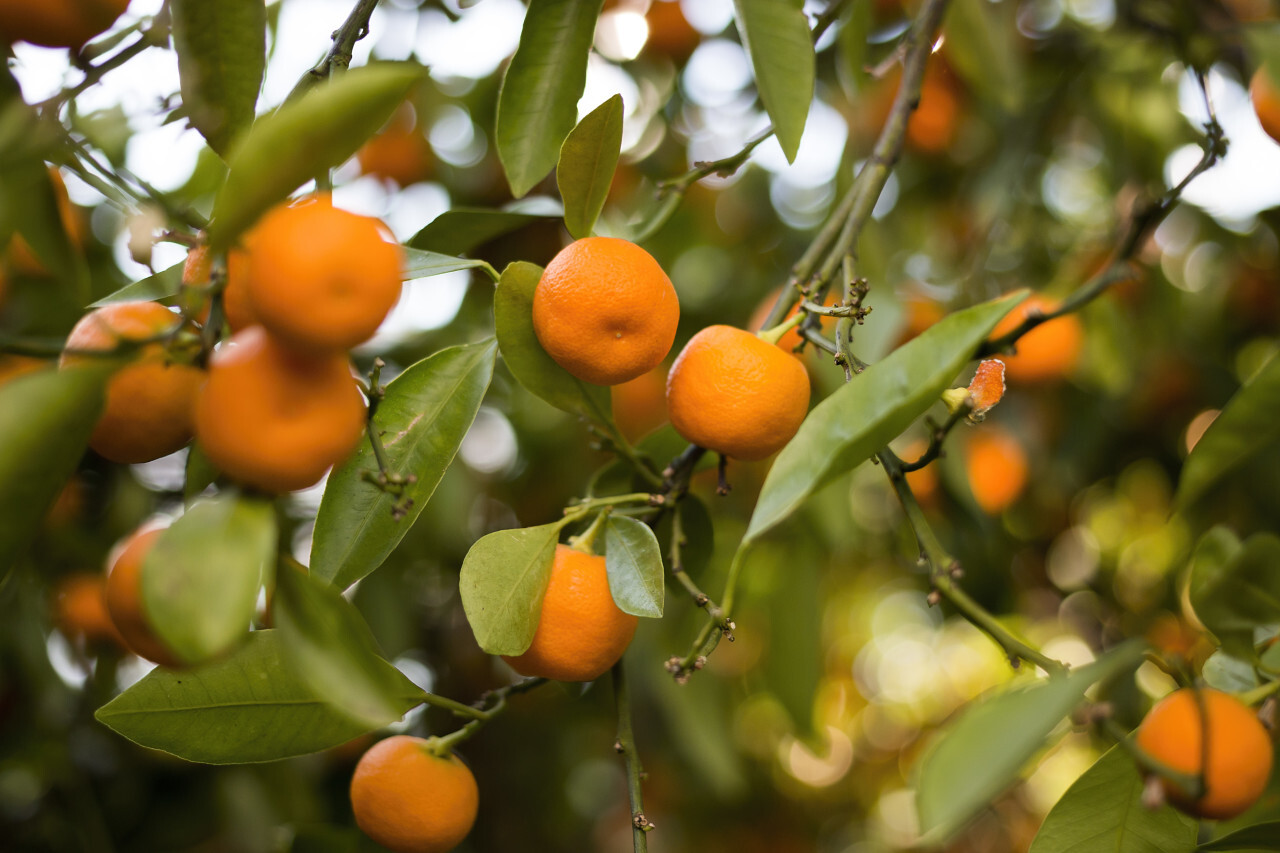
(605, 311)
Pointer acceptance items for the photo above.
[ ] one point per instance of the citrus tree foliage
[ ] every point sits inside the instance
(931, 621)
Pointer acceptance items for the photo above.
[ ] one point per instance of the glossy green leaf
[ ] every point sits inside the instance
(45, 422)
(528, 361)
(776, 36)
(1228, 674)
(1248, 423)
(538, 102)
(200, 580)
(504, 577)
(983, 751)
(1260, 836)
(422, 420)
(247, 707)
(983, 47)
(633, 560)
(1103, 810)
(422, 264)
(458, 231)
(328, 643)
(587, 160)
(864, 415)
(163, 285)
(335, 119)
(222, 52)
(1234, 586)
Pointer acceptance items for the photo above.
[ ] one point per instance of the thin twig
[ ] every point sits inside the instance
(626, 746)
(354, 28)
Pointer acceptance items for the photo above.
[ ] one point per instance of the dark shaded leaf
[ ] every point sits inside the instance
(458, 231)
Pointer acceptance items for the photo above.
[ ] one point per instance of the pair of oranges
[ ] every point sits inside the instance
(278, 404)
(606, 312)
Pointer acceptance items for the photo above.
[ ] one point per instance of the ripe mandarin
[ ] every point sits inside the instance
(399, 153)
(124, 598)
(410, 800)
(57, 23)
(733, 392)
(581, 632)
(235, 300)
(320, 278)
(1239, 753)
(605, 311)
(80, 609)
(1265, 95)
(148, 406)
(275, 418)
(997, 468)
(640, 405)
(1049, 351)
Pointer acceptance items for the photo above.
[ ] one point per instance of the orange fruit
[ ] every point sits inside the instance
(124, 597)
(1266, 102)
(80, 609)
(57, 23)
(399, 153)
(1049, 351)
(997, 469)
(919, 313)
(235, 300)
(321, 278)
(21, 255)
(13, 366)
(640, 404)
(605, 311)
(275, 418)
(410, 800)
(932, 127)
(1239, 750)
(734, 393)
(581, 632)
(670, 33)
(148, 406)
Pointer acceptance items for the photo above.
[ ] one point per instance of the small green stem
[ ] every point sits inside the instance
(354, 28)
(614, 500)
(626, 745)
(587, 540)
(1257, 694)
(491, 705)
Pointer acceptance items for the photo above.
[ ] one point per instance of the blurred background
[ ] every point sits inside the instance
(1042, 124)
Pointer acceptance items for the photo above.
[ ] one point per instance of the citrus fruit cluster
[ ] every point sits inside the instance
(1214, 736)
(412, 799)
(281, 405)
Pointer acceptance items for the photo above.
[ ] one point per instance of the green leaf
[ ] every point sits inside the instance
(504, 577)
(1248, 423)
(1103, 810)
(334, 118)
(633, 560)
(982, 753)
(248, 707)
(1228, 674)
(330, 645)
(45, 422)
(200, 580)
(458, 231)
(862, 416)
(794, 658)
(422, 420)
(163, 285)
(422, 264)
(1234, 586)
(587, 160)
(200, 473)
(983, 45)
(776, 36)
(1263, 41)
(856, 23)
(528, 361)
(1260, 836)
(538, 102)
(222, 52)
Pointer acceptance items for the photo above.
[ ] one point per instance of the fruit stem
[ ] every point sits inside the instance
(496, 700)
(626, 745)
(1257, 694)
(772, 336)
(585, 542)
